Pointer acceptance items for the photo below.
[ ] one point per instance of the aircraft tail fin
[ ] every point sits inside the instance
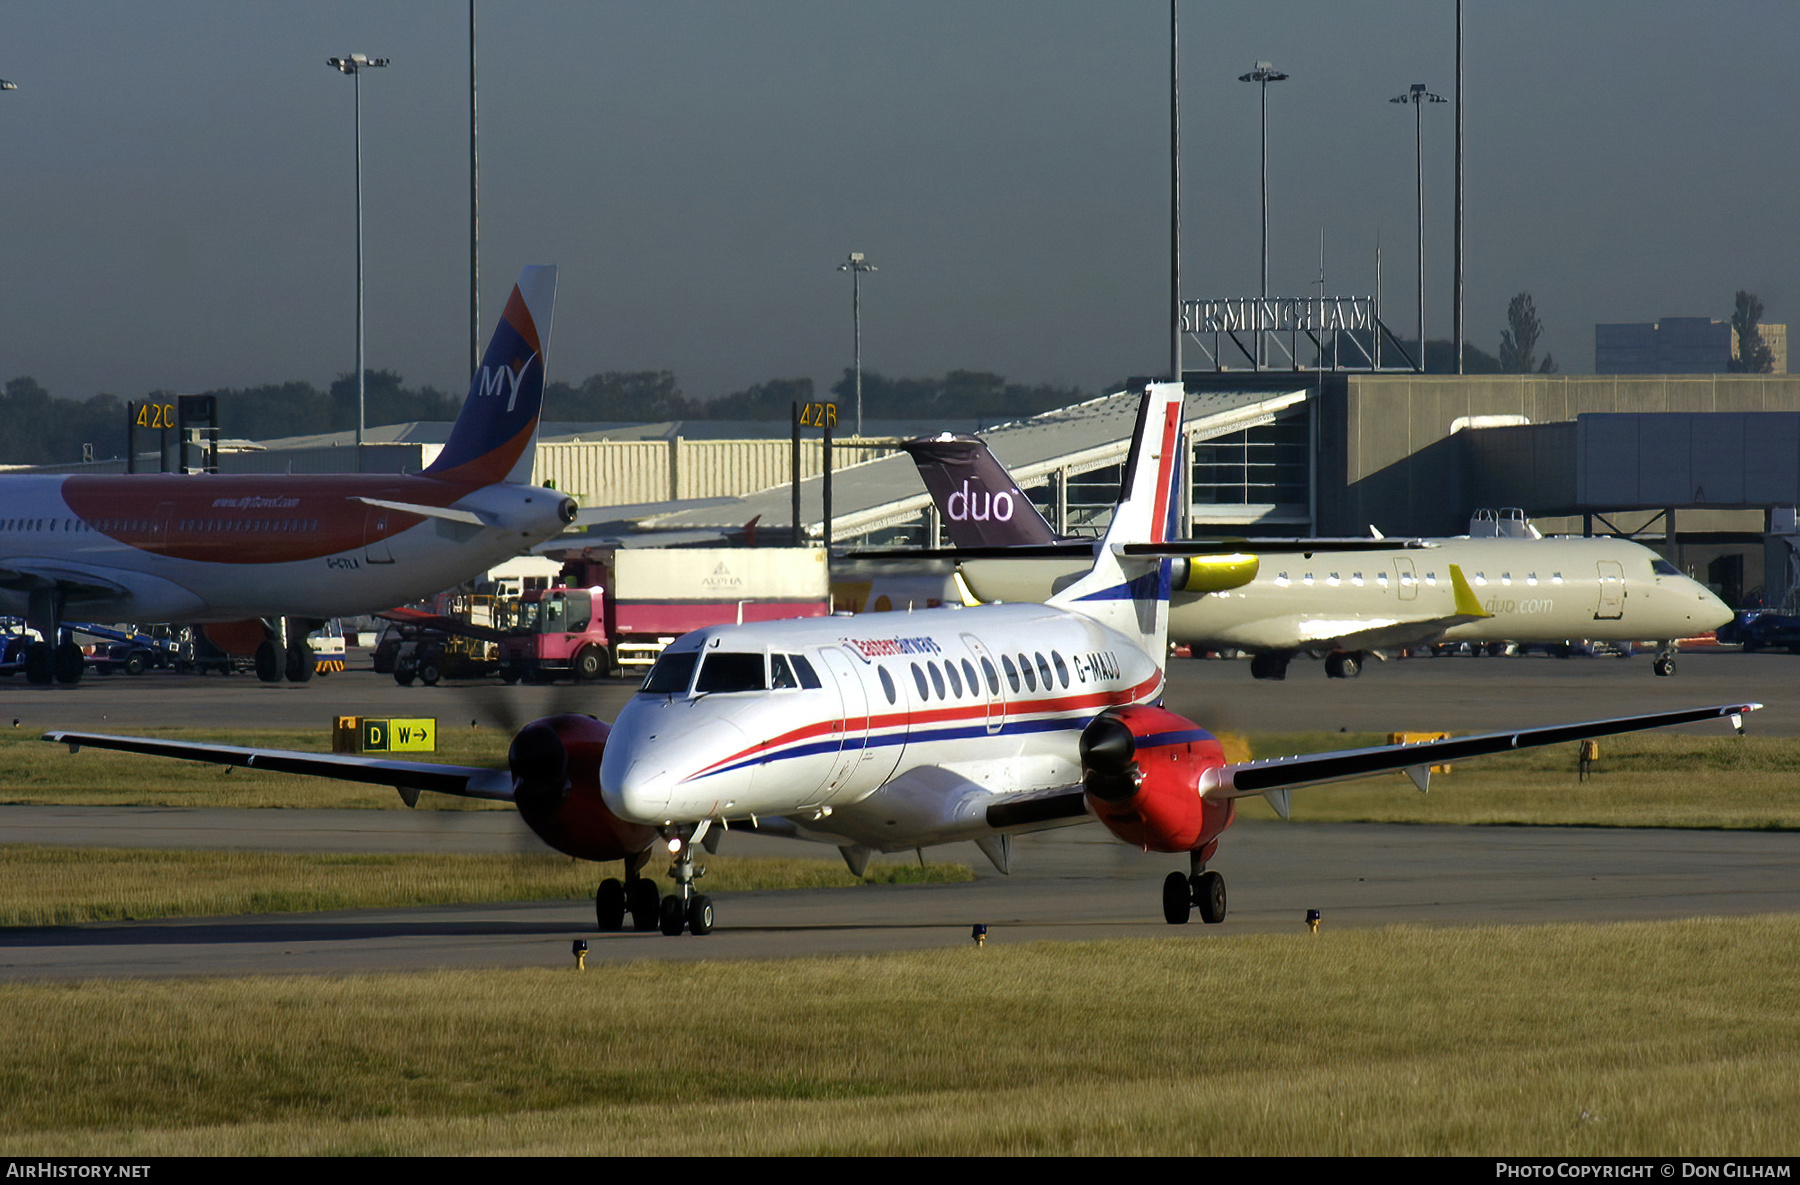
(1128, 594)
(495, 436)
(977, 499)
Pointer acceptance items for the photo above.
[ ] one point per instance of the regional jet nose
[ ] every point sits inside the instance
(680, 773)
(1709, 611)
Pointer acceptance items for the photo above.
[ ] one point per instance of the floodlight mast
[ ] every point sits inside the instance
(856, 265)
(1263, 75)
(354, 65)
(1418, 96)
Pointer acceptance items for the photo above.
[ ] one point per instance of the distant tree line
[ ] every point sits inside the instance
(43, 429)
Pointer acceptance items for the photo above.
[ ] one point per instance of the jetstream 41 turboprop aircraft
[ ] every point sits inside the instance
(232, 550)
(893, 731)
(1326, 596)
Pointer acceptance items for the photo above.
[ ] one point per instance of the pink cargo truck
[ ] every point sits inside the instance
(643, 599)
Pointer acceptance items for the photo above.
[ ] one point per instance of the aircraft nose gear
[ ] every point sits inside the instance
(1665, 661)
(684, 908)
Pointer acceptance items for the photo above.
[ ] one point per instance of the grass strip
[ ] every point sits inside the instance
(1664, 1039)
(48, 886)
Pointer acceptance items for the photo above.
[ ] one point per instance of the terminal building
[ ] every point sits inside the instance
(1705, 467)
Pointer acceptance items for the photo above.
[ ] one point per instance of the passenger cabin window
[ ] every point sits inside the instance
(1044, 671)
(1062, 671)
(724, 671)
(671, 674)
(969, 674)
(937, 678)
(1012, 672)
(887, 685)
(1030, 676)
(955, 679)
(993, 679)
(919, 681)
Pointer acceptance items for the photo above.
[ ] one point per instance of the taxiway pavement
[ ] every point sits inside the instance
(1075, 884)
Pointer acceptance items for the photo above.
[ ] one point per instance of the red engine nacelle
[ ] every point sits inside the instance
(1141, 767)
(555, 764)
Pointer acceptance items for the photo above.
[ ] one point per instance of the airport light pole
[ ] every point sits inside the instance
(1263, 75)
(1418, 96)
(354, 65)
(856, 265)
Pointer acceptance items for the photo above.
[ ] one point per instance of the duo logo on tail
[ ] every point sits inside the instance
(494, 437)
(981, 504)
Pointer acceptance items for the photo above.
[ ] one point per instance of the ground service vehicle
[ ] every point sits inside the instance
(644, 598)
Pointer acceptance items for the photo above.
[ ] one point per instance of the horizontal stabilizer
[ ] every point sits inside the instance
(447, 513)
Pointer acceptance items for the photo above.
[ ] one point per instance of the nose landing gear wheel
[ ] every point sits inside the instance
(1664, 667)
(700, 915)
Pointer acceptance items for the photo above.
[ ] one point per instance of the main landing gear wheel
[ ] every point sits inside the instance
(1178, 901)
(609, 905)
(645, 903)
(1268, 666)
(1343, 666)
(67, 663)
(673, 916)
(300, 664)
(1209, 894)
(268, 662)
(39, 657)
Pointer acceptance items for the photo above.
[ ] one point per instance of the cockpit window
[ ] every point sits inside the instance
(809, 678)
(781, 675)
(671, 674)
(1664, 568)
(725, 671)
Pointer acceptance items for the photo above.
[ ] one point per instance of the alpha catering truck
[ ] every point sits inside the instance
(638, 600)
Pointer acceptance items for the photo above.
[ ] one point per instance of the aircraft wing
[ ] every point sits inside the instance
(408, 777)
(406, 615)
(80, 581)
(1297, 631)
(1274, 777)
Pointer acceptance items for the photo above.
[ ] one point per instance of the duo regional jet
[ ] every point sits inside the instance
(894, 731)
(1346, 597)
(230, 551)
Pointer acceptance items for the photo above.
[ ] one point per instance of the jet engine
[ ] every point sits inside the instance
(1141, 767)
(555, 765)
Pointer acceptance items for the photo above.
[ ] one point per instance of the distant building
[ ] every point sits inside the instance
(1673, 345)
(1677, 345)
(1774, 337)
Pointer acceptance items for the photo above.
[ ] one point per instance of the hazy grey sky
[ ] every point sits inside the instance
(178, 206)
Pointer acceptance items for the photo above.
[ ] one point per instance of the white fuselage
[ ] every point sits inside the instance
(915, 721)
(1533, 591)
